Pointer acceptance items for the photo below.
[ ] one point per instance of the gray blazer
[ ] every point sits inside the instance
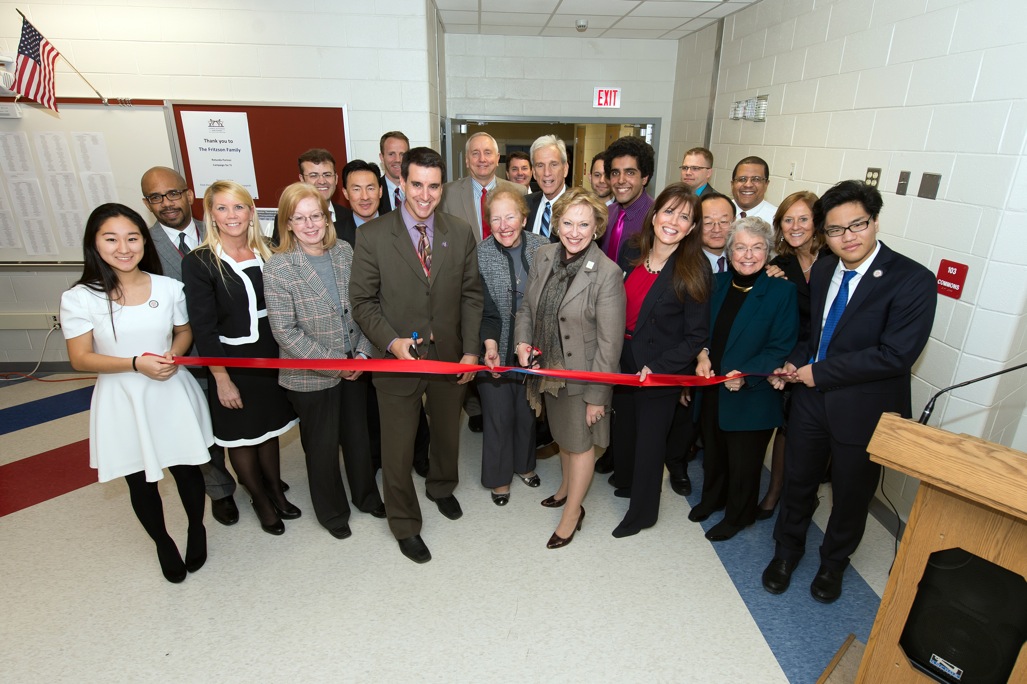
(458, 200)
(591, 317)
(304, 318)
(170, 257)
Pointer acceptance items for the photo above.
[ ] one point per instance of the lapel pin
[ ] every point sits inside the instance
(445, 244)
(154, 303)
(878, 273)
(590, 264)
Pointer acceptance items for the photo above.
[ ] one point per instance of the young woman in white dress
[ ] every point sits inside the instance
(125, 322)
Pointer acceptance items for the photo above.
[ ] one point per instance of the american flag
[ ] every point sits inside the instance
(33, 72)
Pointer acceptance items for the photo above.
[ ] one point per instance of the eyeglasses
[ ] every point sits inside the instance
(755, 249)
(755, 180)
(857, 227)
(314, 218)
(694, 169)
(157, 198)
(723, 225)
(312, 177)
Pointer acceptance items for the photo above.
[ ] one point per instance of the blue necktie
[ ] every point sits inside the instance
(721, 264)
(834, 315)
(544, 226)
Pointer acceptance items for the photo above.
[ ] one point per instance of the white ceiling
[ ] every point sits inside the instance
(667, 19)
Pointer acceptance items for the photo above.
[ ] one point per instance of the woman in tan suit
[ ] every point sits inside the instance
(307, 289)
(573, 312)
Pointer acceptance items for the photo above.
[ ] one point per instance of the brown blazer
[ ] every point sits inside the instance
(393, 298)
(591, 317)
(458, 200)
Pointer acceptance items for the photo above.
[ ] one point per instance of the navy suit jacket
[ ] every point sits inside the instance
(885, 327)
(385, 206)
(763, 332)
(536, 200)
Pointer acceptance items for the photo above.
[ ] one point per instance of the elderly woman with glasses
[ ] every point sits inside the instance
(755, 325)
(308, 306)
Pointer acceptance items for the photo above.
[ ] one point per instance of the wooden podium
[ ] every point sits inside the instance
(973, 495)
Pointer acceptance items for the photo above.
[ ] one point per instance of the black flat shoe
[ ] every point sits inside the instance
(765, 514)
(379, 512)
(501, 499)
(699, 514)
(532, 481)
(196, 549)
(827, 585)
(171, 565)
(276, 528)
(722, 531)
(778, 575)
(448, 506)
(286, 512)
(341, 532)
(622, 493)
(415, 549)
(557, 542)
(553, 502)
(475, 423)
(224, 510)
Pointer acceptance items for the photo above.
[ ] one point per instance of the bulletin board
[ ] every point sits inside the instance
(278, 134)
(56, 168)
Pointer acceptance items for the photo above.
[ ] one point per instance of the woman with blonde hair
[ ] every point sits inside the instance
(307, 285)
(224, 289)
(573, 312)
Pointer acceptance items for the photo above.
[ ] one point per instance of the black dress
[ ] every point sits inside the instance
(229, 319)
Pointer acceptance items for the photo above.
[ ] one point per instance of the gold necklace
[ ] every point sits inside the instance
(739, 288)
(650, 270)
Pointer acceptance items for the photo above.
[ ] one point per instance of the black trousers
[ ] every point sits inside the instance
(854, 480)
(331, 418)
(732, 462)
(508, 437)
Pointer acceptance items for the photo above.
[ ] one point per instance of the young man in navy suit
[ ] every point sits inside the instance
(872, 312)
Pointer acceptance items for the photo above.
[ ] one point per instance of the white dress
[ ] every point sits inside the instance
(135, 423)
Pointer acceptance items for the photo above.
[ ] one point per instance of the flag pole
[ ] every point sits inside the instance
(102, 98)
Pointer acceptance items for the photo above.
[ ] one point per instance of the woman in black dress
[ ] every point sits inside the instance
(224, 289)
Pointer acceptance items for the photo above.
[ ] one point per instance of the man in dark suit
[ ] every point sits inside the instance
(391, 148)
(416, 270)
(175, 233)
(518, 170)
(549, 166)
(871, 311)
(697, 169)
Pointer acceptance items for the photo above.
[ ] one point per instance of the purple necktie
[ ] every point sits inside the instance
(613, 246)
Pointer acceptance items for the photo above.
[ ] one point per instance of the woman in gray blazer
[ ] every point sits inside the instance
(573, 312)
(306, 283)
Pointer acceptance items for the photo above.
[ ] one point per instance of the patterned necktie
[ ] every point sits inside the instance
(721, 264)
(544, 226)
(834, 314)
(613, 246)
(396, 201)
(424, 248)
(182, 247)
(485, 230)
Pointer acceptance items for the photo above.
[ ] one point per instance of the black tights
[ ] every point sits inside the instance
(146, 503)
(259, 470)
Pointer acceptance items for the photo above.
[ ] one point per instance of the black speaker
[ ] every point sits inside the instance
(968, 621)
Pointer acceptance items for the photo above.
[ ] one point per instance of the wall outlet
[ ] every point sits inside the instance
(55, 321)
(791, 171)
(873, 178)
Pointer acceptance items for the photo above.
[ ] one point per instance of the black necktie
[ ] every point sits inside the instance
(182, 247)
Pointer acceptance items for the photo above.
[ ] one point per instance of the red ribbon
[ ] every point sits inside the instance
(450, 368)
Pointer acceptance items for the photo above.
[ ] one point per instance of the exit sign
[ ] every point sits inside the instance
(606, 98)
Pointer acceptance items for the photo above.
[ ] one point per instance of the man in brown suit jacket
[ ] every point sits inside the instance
(397, 291)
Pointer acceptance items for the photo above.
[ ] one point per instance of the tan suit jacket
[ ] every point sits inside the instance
(591, 317)
(458, 200)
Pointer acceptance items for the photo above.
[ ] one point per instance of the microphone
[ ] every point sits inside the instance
(930, 404)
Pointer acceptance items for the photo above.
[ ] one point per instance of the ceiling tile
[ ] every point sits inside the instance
(469, 5)
(514, 19)
(634, 33)
(726, 9)
(507, 30)
(653, 8)
(539, 6)
(584, 8)
(458, 17)
(594, 21)
(664, 23)
(461, 28)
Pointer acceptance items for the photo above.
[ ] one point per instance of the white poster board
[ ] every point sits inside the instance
(218, 144)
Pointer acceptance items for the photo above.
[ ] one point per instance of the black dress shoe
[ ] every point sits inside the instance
(778, 575)
(341, 532)
(286, 512)
(276, 528)
(827, 585)
(285, 485)
(379, 512)
(605, 464)
(765, 514)
(224, 510)
(448, 506)
(421, 469)
(501, 499)
(681, 485)
(475, 423)
(553, 502)
(723, 531)
(171, 565)
(196, 549)
(622, 493)
(415, 549)
(698, 514)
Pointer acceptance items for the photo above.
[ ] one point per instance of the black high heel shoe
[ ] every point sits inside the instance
(286, 512)
(556, 541)
(171, 565)
(553, 502)
(276, 528)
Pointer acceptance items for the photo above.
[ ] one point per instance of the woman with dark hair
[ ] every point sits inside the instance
(504, 260)
(307, 287)
(798, 245)
(755, 324)
(144, 415)
(573, 312)
(224, 287)
(667, 324)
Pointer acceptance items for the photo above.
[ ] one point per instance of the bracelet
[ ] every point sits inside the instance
(134, 364)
